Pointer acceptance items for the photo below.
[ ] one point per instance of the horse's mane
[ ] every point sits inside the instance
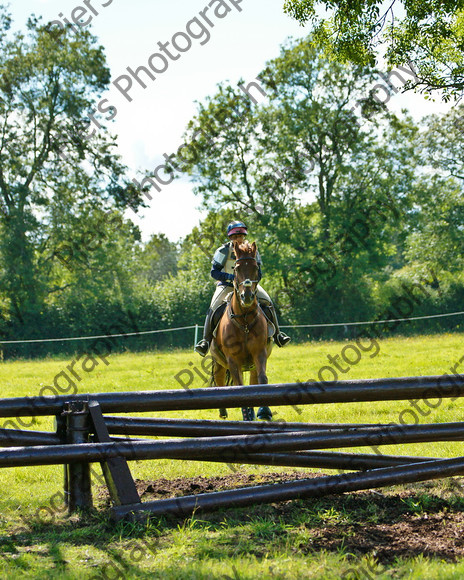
(247, 250)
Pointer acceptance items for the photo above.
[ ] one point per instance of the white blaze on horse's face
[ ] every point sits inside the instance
(246, 288)
(246, 273)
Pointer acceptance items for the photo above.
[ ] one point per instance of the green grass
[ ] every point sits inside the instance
(36, 543)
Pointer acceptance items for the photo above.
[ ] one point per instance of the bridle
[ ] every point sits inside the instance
(247, 283)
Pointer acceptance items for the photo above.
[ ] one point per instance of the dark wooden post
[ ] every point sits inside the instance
(78, 490)
(115, 469)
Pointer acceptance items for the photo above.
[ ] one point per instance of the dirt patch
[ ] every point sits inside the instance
(164, 488)
(436, 535)
(423, 519)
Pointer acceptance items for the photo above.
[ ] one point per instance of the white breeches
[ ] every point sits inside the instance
(222, 292)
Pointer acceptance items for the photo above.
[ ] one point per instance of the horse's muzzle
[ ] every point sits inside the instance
(248, 295)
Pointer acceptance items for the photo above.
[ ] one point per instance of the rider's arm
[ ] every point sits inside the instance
(219, 275)
(218, 263)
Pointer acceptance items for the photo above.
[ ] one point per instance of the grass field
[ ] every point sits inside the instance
(39, 541)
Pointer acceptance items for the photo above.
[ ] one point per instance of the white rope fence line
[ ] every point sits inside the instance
(196, 327)
(100, 336)
(372, 321)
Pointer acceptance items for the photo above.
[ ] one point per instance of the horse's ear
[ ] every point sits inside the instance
(236, 246)
(254, 247)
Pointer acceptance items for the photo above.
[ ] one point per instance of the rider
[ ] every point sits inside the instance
(223, 271)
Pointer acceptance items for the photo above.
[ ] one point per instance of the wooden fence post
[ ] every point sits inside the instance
(78, 491)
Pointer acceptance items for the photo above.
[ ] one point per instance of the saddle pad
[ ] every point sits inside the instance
(270, 329)
(217, 315)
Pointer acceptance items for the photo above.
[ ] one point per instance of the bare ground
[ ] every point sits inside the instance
(403, 522)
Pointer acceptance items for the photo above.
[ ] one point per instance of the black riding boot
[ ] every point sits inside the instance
(203, 346)
(280, 338)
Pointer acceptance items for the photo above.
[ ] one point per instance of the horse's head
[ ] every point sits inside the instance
(246, 272)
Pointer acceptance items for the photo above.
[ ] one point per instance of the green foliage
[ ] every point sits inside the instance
(427, 34)
(158, 259)
(199, 245)
(438, 238)
(180, 299)
(442, 143)
(347, 202)
(58, 171)
(320, 172)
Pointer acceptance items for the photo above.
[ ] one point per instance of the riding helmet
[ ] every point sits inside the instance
(236, 228)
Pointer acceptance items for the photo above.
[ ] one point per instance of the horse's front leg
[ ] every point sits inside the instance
(260, 363)
(259, 377)
(237, 379)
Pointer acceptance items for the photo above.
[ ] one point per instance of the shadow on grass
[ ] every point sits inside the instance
(388, 527)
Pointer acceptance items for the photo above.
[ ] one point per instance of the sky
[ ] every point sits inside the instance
(151, 120)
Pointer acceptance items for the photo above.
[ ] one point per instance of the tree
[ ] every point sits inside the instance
(322, 119)
(222, 162)
(304, 139)
(442, 143)
(436, 237)
(430, 35)
(328, 166)
(56, 158)
(157, 259)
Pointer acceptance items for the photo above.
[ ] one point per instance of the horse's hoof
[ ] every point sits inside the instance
(248, 414)
(264, 414)
(223, 413)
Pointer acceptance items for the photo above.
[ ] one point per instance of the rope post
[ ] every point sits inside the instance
(78, 489)
(196, 336)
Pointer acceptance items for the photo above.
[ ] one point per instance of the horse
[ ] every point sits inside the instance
(242, 341)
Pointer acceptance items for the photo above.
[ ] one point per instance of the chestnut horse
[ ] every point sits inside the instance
(242, 341)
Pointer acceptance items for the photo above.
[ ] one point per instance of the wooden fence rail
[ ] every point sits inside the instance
(84, 435)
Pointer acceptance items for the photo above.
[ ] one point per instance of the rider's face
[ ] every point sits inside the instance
(240, 238)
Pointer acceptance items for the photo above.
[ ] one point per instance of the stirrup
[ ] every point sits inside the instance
(282, 339)
(202, 347)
